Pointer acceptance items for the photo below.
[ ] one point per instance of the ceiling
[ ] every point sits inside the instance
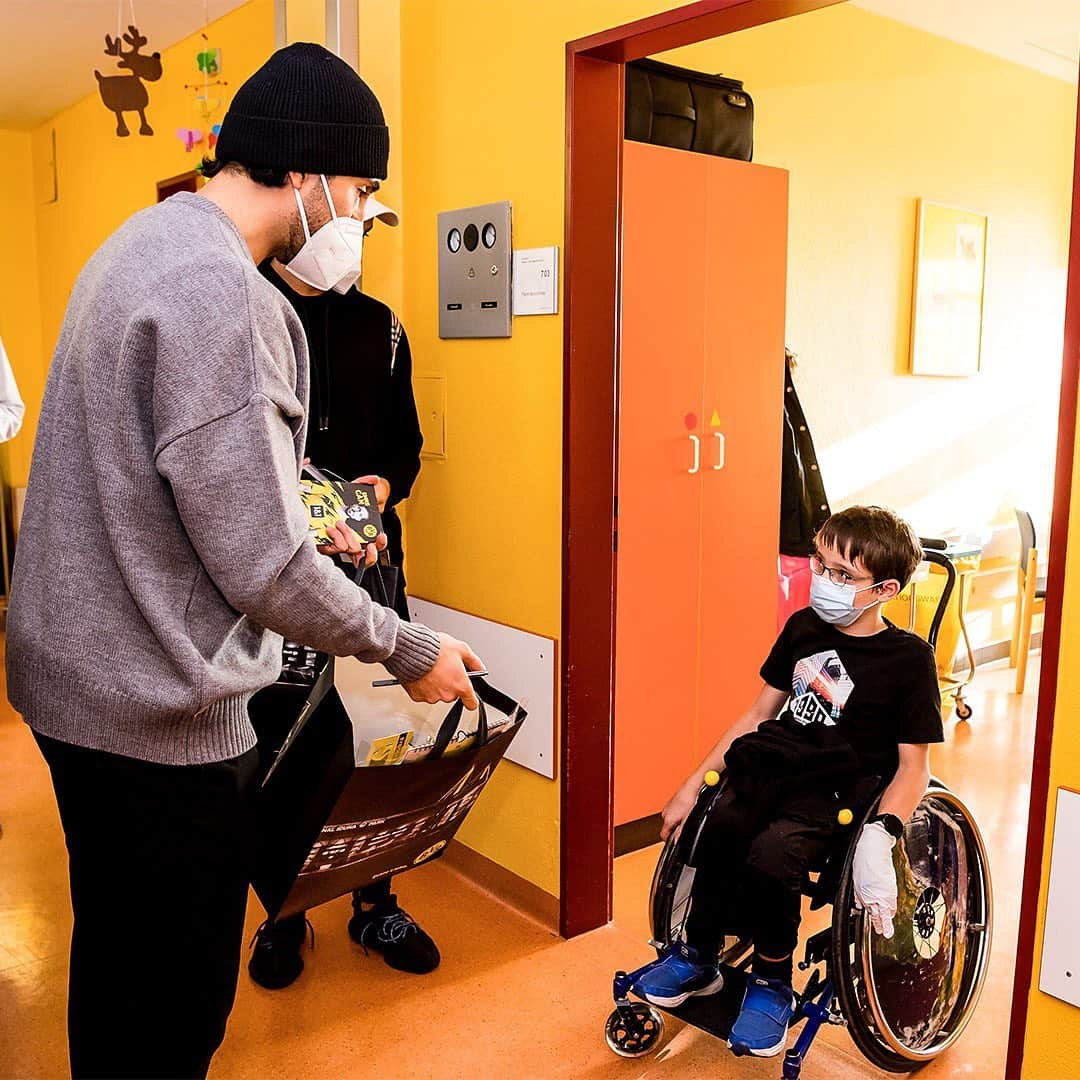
(1040, 34)
(60, 42)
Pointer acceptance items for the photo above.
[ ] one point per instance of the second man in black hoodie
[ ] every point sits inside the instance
(363, 426)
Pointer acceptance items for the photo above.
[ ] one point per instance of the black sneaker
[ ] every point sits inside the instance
(390, 931)
(276, 961)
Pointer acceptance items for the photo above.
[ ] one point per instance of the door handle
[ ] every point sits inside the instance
(723, 450)
(696, 467)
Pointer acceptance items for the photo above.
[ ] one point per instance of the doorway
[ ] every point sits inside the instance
(188, 181)
(596, 168)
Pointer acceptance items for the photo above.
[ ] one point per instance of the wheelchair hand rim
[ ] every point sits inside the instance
(956, 1023)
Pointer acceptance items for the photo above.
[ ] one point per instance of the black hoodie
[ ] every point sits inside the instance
(362, 415)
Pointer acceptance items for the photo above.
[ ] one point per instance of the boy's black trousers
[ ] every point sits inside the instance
(158, 860)
(751, 861)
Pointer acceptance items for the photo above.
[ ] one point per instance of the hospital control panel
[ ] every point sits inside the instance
(475, 272)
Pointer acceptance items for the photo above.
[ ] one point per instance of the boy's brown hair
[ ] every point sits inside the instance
(884, 542)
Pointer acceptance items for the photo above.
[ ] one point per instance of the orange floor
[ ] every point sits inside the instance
(509, 999)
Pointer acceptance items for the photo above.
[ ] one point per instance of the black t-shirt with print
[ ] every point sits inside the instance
(877, 691)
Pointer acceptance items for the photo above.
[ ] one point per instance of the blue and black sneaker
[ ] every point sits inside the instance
(762, 1024)
(679, 976)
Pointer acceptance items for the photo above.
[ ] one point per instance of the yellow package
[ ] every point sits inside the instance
(325, 507)
(387, 750)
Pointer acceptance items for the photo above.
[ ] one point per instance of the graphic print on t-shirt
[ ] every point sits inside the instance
(820, 689)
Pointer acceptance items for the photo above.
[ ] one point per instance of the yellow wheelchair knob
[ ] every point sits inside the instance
(845, 817)
(712, 778)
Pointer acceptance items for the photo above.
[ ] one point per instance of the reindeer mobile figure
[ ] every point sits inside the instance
(126, 93)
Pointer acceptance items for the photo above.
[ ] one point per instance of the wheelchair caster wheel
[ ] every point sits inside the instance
(634, 1031)
(963, 710)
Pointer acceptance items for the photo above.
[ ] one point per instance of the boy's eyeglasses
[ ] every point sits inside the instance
(836, 576)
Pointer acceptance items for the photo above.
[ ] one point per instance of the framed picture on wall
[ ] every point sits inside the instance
(947, 299)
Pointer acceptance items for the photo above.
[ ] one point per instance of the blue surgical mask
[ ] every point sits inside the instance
(834, 603)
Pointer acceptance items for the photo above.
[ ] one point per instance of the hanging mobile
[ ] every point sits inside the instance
(209, 63)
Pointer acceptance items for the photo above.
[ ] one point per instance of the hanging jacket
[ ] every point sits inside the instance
(804, 507)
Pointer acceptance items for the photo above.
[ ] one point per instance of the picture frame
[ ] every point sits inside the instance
(949, 290)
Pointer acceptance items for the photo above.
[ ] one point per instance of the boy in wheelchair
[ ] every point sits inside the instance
(862, 706)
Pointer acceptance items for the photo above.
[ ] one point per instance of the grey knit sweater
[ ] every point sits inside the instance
(164, 547)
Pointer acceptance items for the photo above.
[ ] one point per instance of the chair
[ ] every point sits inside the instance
(1030, 596)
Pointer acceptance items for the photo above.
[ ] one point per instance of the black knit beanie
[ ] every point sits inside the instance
(305, 110)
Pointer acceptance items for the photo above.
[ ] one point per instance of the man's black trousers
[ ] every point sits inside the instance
(751, 860)
(159, 865)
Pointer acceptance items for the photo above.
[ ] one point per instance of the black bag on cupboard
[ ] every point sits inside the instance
(688, 110)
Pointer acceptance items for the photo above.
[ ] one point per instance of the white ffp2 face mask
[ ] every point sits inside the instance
(330, 257)
(834, 603)
(347, 282)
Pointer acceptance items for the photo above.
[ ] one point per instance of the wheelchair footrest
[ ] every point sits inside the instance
(717, 1012)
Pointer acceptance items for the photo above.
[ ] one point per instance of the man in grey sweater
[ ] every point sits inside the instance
(171, 431)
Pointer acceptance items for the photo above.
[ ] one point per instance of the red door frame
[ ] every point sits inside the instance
(594, 112)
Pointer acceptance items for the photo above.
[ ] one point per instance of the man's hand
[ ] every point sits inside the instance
(447, 680)
(875, 877)
(678, 807)
(345, 540)
(381, 486)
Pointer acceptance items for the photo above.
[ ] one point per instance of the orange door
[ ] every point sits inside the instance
(659, 514)
(746, 238)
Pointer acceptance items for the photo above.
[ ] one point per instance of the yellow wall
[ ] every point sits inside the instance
(868, 115)
(305, 20)
(379, 61)
(1053, 1030)
(484, 525)
(104, 179)
(20, 309)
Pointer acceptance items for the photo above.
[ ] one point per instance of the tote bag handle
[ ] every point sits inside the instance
(488, 695)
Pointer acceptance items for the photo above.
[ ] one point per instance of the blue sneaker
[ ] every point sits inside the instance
(678, 977)
(762, 1024)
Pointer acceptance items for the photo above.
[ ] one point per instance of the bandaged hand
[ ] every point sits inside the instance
(875, 877)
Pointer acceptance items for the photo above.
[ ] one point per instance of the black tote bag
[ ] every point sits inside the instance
(327, 827)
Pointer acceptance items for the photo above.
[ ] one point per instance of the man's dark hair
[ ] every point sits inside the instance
(884, 542)
(260, 174)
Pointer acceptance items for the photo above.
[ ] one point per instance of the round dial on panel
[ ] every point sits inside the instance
(489, 235)
(453, 240)
(472, 237)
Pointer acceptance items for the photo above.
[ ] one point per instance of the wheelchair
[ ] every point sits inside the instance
(905, 1000)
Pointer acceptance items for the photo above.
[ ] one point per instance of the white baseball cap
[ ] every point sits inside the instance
(375, 209)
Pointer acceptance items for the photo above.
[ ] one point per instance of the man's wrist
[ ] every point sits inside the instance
(415, 653)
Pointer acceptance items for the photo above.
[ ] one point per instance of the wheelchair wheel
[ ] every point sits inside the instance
(908, 998)
(633, 1032)
(673, 880)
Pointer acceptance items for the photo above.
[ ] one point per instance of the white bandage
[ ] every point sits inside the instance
(875, 877)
